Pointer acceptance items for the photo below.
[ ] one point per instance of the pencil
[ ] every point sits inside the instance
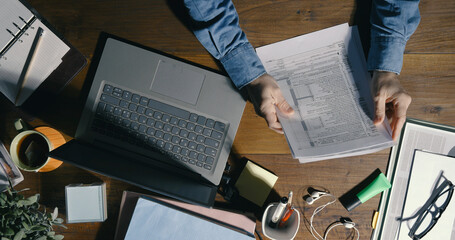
(28, 63)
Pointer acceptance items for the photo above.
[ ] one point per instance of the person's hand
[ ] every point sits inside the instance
(391, 100)
(265, 95)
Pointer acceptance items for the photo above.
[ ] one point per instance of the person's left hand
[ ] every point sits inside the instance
(391, 100)
(266, 96)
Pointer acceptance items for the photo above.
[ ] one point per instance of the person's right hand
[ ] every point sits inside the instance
(391, 100)
(265, 94)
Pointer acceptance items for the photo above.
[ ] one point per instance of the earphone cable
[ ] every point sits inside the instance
(316, 211)
(340, 224)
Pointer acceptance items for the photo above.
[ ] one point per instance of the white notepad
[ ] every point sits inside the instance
(48, 54)
(86, 203)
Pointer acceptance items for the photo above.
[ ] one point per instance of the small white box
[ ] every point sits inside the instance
(86, 203)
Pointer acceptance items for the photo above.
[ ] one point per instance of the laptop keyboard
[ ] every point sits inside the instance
(189, 137)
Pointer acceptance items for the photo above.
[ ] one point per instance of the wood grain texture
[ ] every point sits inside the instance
(435, 33)
(428, 74)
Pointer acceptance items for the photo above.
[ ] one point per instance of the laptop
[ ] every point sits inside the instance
(156, 121)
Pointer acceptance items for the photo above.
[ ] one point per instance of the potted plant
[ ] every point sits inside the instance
(21, 218)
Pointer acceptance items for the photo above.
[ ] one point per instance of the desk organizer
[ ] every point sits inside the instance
(86, 203)
(287, 232)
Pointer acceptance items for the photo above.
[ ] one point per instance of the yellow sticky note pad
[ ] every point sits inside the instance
(255, 183)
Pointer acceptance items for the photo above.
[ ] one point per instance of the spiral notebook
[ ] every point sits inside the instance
(19, 24)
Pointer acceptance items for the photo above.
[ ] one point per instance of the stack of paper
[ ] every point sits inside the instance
(323, 76)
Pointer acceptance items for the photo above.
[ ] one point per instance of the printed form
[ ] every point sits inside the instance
(323, 76)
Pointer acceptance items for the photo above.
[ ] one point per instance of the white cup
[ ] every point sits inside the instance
(29, 145)
(287, 232)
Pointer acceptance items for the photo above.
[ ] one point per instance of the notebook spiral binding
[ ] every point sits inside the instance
(17, 36)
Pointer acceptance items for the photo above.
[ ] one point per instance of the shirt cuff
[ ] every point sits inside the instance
(386, 54)
(243, 65)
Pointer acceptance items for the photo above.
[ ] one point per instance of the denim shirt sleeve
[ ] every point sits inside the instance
(216, 25)
(392, 24)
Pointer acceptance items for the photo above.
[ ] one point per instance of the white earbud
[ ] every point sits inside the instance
(349, 225)
(347, 222)
(310, 199)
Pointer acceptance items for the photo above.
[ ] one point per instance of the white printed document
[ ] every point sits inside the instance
(323, 76)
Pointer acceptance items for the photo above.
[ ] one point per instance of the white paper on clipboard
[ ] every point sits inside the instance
(417, 134)
(426, 169)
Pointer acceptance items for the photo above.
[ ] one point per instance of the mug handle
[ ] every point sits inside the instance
(21, 125)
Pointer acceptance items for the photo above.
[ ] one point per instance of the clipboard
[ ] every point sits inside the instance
(71, 63)
(416, 134)
(428, 172)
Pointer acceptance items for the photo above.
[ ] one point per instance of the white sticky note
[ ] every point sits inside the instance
(85, 203)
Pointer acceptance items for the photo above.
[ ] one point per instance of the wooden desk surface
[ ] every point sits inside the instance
(428, 74)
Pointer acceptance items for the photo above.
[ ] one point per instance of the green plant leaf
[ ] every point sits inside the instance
(3, 199)
(58, 220)
(28, 218)
(26, 202)
(34, 198)
(25, 189)
(58, 237)
(21, 203)
(8, 232)
(38, 228)
(55, 213)
(22, 218)
(19, 235)
(26, 226)
(60, 225)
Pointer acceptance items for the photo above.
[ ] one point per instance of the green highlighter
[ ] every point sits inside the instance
(352, 199)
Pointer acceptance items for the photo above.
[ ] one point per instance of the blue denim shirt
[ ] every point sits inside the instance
(216, 25)
(392, 24)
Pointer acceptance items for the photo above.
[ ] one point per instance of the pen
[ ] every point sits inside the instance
(290, 198)
(286, 216)
(288, 212)
(278, 212)
(28, 62)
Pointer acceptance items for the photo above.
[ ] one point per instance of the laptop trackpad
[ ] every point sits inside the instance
(174, 81)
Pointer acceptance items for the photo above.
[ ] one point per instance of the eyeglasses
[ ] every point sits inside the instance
(432, 210)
